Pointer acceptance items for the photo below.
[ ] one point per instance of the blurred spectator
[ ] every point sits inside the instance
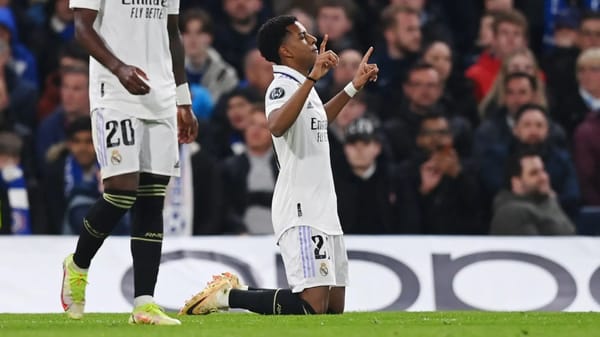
(457, 94)
(75, 103)
(356, 108)
(571, 109)
(22, 61)
(493, 138)
(341, 75)
(521, 60)
(367, 202)
(258, 72)
(510, 34)
(203, 64)
(249, 179)
(485, 36)
(432, 26)
(226, 129)
(13, 186)
(307, 20)
(72, 183)
(336, 19)
(498, 5)
(70, 55)
(17, 97)
(531, 130)
(560, 67)
(49, 39)
(439, 192)
(236, 35)
(422, 92)
(402, 36)
(587, 158)
(528, 206)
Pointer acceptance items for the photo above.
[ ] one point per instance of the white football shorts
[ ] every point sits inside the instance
(313, 258)
(126, 144)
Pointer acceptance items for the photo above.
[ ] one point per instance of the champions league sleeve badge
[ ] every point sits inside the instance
(277, 93)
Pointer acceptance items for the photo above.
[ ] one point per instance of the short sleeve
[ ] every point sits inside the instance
(278, 93)
(173, 7)
(88, 4)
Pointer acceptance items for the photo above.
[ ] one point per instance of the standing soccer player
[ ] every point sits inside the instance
(141, 107)
(304, 209)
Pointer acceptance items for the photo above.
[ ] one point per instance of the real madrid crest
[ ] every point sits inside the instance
(323, 270)
(115, 157)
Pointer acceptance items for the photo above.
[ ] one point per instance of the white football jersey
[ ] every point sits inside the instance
(136, 32)
(304, 192)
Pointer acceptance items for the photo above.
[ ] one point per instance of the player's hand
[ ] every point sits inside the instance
(132, 78)
(187, 124)
(366, 71)
(325, 61)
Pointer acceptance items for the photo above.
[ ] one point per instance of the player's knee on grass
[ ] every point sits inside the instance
(317, 298)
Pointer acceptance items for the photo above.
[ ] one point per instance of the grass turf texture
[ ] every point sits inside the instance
(409, 324)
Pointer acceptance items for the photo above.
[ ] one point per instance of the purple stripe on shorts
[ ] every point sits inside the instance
(302, 252)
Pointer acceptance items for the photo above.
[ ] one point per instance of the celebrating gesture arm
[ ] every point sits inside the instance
(280, 120)
(366, 72)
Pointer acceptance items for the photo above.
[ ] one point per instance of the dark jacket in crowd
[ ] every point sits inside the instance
(453, 207)
(529, 215)
(368, 206)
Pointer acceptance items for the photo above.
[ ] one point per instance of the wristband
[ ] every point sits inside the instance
(182, 94)
(310, 78)
(350, 89)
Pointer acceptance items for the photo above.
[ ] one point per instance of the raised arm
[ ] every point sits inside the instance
(366, 72)
(86, 35)
(280, 120)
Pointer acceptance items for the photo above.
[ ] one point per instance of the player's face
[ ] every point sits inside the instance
(439, 56)
(82, 148)
(74, 94)
(362, 154)
(195, 40)
(257, 134)
(508, 38)
(333, 21)
(238, 112)
(301, 44)
(532, 127)
(423, 88)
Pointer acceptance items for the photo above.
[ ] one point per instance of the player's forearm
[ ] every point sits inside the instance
(283, 118)
(87, 36)
(177, 51)
(335, 105)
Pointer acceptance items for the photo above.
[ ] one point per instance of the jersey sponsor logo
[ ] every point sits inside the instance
(319, 127)
(147, 9)
(277, 93)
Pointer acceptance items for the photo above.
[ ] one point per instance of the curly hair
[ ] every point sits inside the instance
(271, 34)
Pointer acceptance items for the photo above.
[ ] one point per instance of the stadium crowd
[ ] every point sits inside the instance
(485, 118)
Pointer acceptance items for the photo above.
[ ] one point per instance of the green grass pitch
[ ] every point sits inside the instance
(393, 324)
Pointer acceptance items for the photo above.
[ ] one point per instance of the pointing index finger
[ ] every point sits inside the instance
(323, 43)
(367, 55)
